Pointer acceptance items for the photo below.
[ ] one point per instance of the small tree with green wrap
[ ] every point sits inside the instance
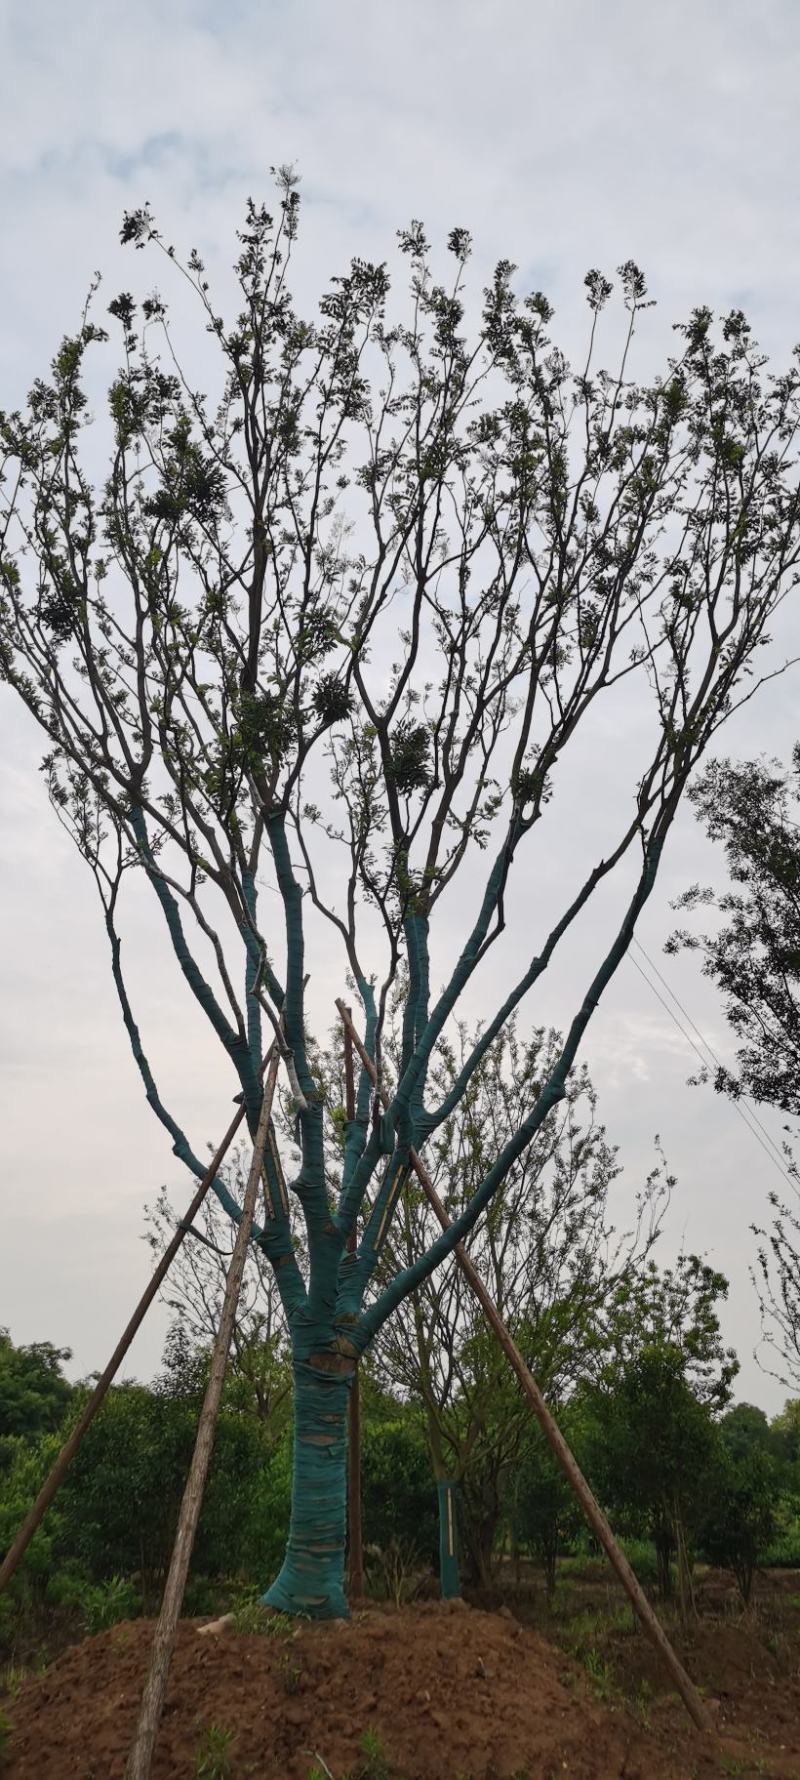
(300, 657)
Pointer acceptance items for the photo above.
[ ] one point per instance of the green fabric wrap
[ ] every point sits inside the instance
(449, 1576)
(311, 1580)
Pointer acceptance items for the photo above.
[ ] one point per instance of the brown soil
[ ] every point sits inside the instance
(452, 1694)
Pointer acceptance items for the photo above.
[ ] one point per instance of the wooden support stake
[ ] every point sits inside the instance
(695, 1707)
(354, 1530)
(37, 1513)
(141, 1755)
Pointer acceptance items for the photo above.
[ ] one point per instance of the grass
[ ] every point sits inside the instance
(214, 1756)
(252, 1619)
(14, 1676)
(291, 1673)
(640, 1703)
(599, 1672)
(375, 1762)
(373, 1765)
(584, 1629)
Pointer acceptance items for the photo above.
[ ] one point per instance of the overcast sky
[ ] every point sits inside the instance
(564, 135)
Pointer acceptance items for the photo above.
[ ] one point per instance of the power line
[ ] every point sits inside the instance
(751, 1109)
(773, 1153)
(704, 1041)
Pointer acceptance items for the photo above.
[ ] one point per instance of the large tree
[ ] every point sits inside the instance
(304, 654)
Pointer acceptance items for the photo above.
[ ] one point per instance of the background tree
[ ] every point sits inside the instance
(542, 1513)
(547, 1250)
(651, 1439)
(259, 1367)
(335, 637)
(740, 1522)
(754, 960)
(33, 1390)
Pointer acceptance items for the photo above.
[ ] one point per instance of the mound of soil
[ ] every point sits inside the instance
(452, 1695)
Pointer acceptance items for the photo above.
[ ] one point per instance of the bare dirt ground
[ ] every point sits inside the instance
(439, 1693)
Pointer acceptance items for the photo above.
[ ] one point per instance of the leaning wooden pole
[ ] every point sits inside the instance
(697, 1711)
(355, 1543)
(141, 1754)
(20, 1544)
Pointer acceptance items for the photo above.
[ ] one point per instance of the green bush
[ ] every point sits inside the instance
(738, 1529)
(121, 1498)
(106, 1603)
(783, 1549)
(641, 1555)
(398, 1490)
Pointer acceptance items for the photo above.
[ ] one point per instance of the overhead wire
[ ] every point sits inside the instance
(748, 1117)
(704, 1041)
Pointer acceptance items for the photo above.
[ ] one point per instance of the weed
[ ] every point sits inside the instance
(374, 1764)
(107, 1603)
(558, 1601)
(252, 1619)
(214, 1758)
(641, 1703)
(14, 1676)
(597, 1667)
(5, 1732)
(291, 1673)
(583, 1630)
(396, 1571)
(775, 1643)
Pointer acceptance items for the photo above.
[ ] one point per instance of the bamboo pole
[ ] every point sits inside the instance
(141, 1755)
(695, 1707)
(36, 1515)
(354, 1528)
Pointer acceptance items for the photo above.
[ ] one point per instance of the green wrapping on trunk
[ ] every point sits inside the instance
(449, 1577)
(311, 1580)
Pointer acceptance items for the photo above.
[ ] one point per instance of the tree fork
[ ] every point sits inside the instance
(33, 1520)
(697, 1711)
(141, 1755)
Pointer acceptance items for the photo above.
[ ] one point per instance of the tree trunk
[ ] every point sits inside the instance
(685, 1585)
(311, 1579)
(662, 1540)
(479, 1536)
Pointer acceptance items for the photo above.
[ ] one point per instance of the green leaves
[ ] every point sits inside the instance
(332, 700)
(409, 749)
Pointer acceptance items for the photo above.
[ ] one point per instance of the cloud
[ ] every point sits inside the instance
(564, 136)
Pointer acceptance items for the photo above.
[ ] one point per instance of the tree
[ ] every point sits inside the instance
(34, 1393)
(675, 1308)
(259, 1369)
(650, 1428)
(741, 1520)
(546, 1249)
(417, 565)
(754, 959)
(543, 1511)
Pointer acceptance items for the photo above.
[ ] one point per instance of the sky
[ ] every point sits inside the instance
(564, 136)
